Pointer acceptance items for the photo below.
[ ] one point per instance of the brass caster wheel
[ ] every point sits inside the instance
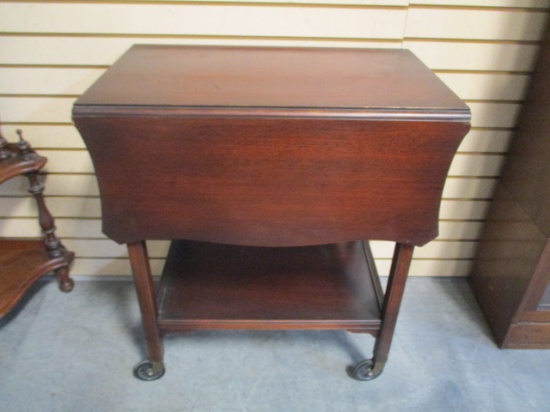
(366, 371)
(149, 371)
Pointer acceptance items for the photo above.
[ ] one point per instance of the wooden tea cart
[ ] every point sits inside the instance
(268, 168)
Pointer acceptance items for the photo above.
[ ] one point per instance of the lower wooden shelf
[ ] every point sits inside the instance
(213, 286)
(22, 262)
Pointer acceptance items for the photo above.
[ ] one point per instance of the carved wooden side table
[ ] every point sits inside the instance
(24, 261)
(267, 168)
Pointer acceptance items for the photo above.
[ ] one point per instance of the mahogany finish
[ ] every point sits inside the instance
(301, 80)
(314, 287)
(146, 297)
(511, 277)
(14, 165)
(284, 156)
(229, 177)
(22, 262)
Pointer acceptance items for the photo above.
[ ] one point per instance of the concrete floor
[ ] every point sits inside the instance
(75, 352)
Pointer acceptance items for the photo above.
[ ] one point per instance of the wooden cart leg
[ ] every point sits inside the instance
(66, 284)
(153, 367)
(372, 368)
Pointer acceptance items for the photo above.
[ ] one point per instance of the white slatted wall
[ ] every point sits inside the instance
(50, 52)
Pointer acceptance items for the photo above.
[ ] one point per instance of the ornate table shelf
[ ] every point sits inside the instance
(267, 167)
(24, 261)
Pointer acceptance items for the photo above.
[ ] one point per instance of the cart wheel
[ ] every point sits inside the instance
(149, 371)
(365, 371)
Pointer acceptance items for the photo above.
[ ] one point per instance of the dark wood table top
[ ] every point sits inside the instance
(287, 81)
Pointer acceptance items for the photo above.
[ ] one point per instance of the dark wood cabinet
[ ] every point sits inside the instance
(511, 275)
(23, 261)
(267, 168)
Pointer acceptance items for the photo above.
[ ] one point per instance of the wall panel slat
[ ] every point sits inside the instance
(501, 115)
(47, 81)
(110, 267)
(60, 207)
(46, 136)
(36, 109)
(463, 209)
(486, 141)
(66, 228)
(459, 56)
(469, 188)
(51, 50)
(475, 24)
(476, 165)
(444, 268)
(195, 19)
(487, 86)
(485, 3)
(434, 249)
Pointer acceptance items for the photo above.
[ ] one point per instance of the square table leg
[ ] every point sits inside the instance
(372, 368)
(153, 367)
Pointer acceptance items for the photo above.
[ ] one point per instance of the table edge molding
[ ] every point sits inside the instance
(272, 112)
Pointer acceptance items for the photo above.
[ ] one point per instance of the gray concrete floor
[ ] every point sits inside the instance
(75, 352)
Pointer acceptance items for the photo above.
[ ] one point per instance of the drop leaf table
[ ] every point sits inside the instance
(269, 169)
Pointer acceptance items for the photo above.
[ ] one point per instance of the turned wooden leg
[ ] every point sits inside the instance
(66, 284)
(153, 367)
(54, 248)
(372, 368)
